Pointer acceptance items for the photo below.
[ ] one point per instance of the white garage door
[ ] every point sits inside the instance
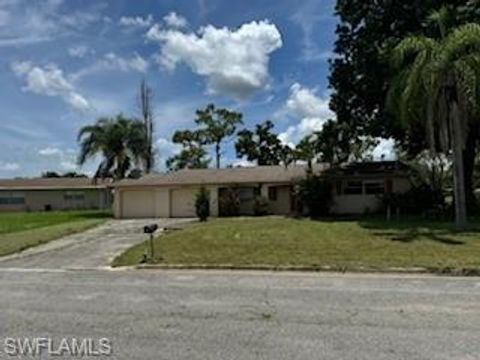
(138, 204)
(183, 203)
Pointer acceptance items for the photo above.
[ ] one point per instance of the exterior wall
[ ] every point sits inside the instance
(141, 204)
(282, 205)
(345, 204)
(162, 201)
(164, 207)
(213, 200)
(39, 200)
(355, 204)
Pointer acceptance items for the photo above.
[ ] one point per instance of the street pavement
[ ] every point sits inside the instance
(245, 315)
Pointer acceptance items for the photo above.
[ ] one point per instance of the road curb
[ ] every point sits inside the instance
(336, 269)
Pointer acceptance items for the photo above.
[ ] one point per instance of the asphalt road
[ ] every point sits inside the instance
(235, 315)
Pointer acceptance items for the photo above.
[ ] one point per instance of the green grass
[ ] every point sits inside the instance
(369, 243)
(19, 231)
(20, 221)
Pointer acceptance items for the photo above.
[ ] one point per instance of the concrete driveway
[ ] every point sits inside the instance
(92, 249)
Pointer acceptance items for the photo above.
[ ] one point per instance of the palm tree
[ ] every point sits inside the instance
(438, 83)
(120, 141)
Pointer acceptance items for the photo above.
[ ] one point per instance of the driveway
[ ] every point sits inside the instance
(245, 315)
(94, 248)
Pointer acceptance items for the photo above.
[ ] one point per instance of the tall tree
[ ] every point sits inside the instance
(146, 107)
(360, 72)
(334, 144)
(260, 145)
(119, 141)
(216, 125)
(439, 81)
(193, 155)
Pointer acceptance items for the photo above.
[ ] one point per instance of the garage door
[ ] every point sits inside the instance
(183, 203)
(138, 204)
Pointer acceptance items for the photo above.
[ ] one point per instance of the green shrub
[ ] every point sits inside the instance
(418, 200)
(316, 194)
(202, 204)
(261, 206)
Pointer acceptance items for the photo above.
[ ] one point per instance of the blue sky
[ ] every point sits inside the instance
(63, 64)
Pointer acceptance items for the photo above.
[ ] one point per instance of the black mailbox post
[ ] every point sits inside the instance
(150, 229)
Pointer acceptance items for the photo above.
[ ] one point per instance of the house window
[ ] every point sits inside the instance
(74, 196)
(245, 194)
(272, 194)
(14, 200)
(353, 188)
(374, 188)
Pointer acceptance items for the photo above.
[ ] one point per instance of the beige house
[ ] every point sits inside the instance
(173, 194)
(44, 194)
(358, 186)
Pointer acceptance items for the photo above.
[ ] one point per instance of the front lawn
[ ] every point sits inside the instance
(21, 221)
(369, 243)
(19, 231)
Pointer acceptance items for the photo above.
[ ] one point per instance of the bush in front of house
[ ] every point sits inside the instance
(419, 200)
(316, 194)
(229, 203)
(202, 204)
(261, 206)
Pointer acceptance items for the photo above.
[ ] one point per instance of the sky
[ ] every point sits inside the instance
(64, 64)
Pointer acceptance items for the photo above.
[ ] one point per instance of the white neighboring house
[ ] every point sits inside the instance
(357, 189)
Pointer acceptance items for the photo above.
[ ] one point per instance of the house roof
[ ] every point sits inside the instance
(239, 175)
(370, 168)
(52, 183)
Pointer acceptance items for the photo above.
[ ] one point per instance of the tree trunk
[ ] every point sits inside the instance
(217, 153)
(469, 165)
(458, 170)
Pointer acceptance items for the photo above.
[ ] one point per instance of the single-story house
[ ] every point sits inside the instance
(45, 194)
(358, 186)
(357, 189)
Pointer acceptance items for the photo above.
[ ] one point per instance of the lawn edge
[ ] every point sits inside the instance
(21, 251)
(318, 269)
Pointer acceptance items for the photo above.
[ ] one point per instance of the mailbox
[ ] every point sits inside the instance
(150, 229)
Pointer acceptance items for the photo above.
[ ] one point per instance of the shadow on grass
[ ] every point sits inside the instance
(416, 229)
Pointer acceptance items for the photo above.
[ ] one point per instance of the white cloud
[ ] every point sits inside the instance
(9, 166)
(4, 17)
(135, 63)
(307, 17)
(42, 21)
(79, 51)
(385, 150)
(234, 61)
(112, 61)
(68, 165)
(175, 21)
(165, 149)
(312, 109)
(136, 21)
(49, 81)
(50, 151)
(63, 159)
(243, 163)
